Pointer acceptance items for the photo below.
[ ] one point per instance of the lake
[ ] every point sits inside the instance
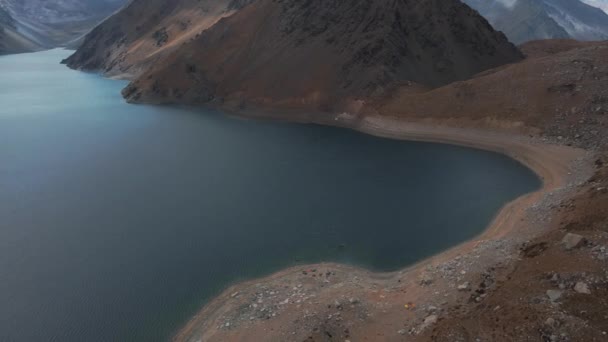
(118, 222)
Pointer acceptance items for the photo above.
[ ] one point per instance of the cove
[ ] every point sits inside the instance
(118, 222)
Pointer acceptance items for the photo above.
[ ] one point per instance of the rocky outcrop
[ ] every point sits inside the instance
(324, 55)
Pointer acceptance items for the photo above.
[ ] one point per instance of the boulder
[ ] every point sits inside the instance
(582, 287)
(464, 286)
(572, 241)
(554, 295)
(432, 319)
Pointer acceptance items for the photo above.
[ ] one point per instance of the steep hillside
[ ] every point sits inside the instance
(581, 21)
(559, 90)
(324, 55)
(12, 41)
(520, 20)
(145, 31)
(525, 20)
(53, 23)
(601, 4)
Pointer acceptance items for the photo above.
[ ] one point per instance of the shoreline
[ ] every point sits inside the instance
(552, 163)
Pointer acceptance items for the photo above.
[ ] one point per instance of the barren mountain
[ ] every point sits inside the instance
(520, 20)
(12, 41)
(53, 23)
(559, 90)
(525, 20)
(145, 31)
(324, 55)
(581, 21)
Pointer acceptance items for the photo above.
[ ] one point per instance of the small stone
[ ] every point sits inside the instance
(554, 295)
(354, 301)
(426, 279)
(582, 287)
(402, 332)
(234, 294)
(432, 319)
(571, 241)
(464, 286)
(550, 322)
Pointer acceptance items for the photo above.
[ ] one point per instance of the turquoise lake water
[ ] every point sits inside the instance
(117, 221)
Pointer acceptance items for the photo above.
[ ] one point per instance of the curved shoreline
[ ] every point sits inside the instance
(552, 163)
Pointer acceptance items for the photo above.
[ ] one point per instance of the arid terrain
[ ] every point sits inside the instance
(540, 271)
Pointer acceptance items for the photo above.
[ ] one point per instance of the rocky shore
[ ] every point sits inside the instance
(436, 298)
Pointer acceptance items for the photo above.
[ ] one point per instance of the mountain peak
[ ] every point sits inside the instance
(322, 52)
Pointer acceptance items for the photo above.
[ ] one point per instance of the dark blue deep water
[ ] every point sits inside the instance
(117, 222)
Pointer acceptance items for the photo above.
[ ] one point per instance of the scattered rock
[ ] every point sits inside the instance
(432, 319)
(550, 322)
(534, 250)
(554, 295)
(582, 287)
(402, 332)
(571, 241)
(464, 286)
(426, 279)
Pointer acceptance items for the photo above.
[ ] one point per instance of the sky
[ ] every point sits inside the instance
(603, 4)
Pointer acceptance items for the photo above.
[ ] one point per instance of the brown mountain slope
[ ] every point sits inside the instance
(559, 90)
(319, 54)
(146, 30)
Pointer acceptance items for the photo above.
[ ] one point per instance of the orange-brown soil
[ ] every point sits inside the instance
(559, 90)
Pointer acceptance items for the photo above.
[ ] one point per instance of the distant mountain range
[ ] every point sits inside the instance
(42, 24)
(12, 41)
(525, 20)
(602, 4)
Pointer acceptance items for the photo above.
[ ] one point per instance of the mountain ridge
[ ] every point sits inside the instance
(319, 54)
(39, 24)
(526, 20)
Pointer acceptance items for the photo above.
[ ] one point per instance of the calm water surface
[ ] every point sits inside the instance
(117, 222)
